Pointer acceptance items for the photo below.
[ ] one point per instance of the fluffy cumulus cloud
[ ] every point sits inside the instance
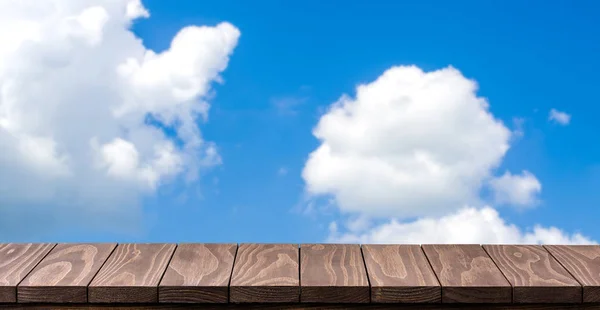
(84, 105)
(416, 144)
(467, 225)
(410, 143)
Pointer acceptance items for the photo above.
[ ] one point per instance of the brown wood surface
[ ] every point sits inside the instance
(64, 274)
(333, 273)
(131, 274)
(265, 273)
(198, 273)
(583, 263)
(467, 274)
(16, 261)
(282, 276)
(400, 274)
(289, 306)
(535, 275)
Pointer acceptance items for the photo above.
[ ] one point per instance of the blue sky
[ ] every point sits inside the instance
(294, 59)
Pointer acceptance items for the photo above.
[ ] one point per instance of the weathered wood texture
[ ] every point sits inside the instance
(333, 273)
(198, 273)
(400, 274)
(131, 274)
(467, 274)
(535, 275)
(64, 275)
(16, 261)
(284, 276)
(320, 306)
(265, 273)
(583, 263)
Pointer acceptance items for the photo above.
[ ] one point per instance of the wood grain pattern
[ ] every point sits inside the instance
(583, 263)
(131, 273)
(16, 261)
(320, 306)
(333, 273)
(198, 273)
(535, 275)
(265, 273)
(64, 274)
(467, 274)
(400, 274)
(282, 276)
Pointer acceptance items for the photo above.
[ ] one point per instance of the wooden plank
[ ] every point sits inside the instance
(304, 306)
(16, 261)
(64, 274)
(535, 275)
(131, 274)
(467, 274)
(265, 273)
(583, 262)
(198, 273)
(333, 273)
(400, 274)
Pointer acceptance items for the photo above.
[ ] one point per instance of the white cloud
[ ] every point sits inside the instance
(42, 154)
(517, 190)
(411, 143)
(559, 117)
(467, 225)
(120, 157)
(135, 9)
(77, 89)
(420, 145)
(358, 224)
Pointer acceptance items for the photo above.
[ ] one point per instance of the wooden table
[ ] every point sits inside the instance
(292, 276)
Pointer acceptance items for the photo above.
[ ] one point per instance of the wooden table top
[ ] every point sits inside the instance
(293, 276)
